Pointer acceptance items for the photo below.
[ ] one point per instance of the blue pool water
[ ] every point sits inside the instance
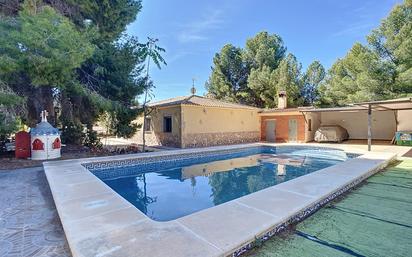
(173, 187)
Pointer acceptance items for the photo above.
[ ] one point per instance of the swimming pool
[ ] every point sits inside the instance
(168, 187)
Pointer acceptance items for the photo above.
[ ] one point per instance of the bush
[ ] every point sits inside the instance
(91, 140)
(73, 133)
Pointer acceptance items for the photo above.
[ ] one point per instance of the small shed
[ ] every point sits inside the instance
(45, 140)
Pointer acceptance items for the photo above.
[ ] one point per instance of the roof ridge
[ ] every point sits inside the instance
(200, 101)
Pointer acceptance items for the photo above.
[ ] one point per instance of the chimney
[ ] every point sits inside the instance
(282, 100)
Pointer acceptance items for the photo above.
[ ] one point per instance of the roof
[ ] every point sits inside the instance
(277, 110)
(199, 101)
(336, 109)
(44, 128)
(392, 104)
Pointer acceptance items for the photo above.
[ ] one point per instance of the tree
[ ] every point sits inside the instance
(248, 75)
(288, 78)
(359, 76)
(114, 72)
(263, 54)
(149, 51)
(263, 84)
(381, 69)
(10, 109)
(107, 77)
(109, 17)
(228, 80)
(392, 41)
(264, 49)
(312, 79)
(43, 49)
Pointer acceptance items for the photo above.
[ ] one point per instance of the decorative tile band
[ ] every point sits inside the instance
(304, 213)
(151, 163)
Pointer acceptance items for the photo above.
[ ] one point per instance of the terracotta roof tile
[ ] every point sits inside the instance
(199, 101)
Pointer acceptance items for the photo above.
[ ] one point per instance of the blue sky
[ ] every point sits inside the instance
(193, 31)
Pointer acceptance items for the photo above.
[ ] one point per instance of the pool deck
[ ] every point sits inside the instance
(29, 224)
(99, 222)
(373, 220)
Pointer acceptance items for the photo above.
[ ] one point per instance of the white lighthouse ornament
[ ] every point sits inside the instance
(45, 140)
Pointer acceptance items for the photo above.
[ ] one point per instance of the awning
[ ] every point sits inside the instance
(337, 109)
(392, 105)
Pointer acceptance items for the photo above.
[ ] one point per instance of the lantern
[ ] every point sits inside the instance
(45, 140)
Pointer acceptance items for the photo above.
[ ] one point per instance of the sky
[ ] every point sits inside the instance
(193, 31)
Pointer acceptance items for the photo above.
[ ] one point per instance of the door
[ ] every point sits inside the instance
(271, 130)
(293, 130)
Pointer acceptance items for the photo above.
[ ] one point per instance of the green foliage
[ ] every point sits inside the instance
(10, 108)
(254, 75)
(312, 79)
(92, 140)
(123, 118)
(228, 80)
(8, 124)
(71, 54)
(392, 41)
(264, 50)
(263, 84)
(381, 69)
(288, 78)
(114, 71)
(110, 17)
(149, 51)
(72, 133)
(44, 45)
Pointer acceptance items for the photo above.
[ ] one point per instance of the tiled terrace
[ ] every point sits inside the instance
(29, 224)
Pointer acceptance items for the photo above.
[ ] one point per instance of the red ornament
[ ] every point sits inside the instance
(56, 144)
(38, 144)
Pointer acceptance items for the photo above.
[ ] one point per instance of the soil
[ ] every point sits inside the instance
(9, 162)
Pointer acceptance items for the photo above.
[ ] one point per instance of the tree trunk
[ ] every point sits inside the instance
(39, 99)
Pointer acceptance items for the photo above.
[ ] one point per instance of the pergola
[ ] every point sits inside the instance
(385, 105)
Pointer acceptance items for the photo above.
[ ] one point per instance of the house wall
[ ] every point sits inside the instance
(207, 126)
(405, 120)
(282, 127)
(156, 136)
(356, 123)
(316, 121)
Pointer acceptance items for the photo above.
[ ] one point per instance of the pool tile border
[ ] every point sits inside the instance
(56, 171)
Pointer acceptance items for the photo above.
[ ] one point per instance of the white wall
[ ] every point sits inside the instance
(315, 117)
(356, 123)
(405, 120)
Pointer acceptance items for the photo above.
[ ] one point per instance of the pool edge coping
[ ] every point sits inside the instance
(55, 169)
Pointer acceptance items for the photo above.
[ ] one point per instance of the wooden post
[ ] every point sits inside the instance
(369, 127)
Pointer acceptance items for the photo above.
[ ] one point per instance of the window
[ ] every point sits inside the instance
(148, 124)
(167, 124)
(310, 125)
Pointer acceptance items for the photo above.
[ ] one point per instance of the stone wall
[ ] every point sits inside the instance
(219, 138)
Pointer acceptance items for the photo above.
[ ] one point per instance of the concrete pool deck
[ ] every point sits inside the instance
(99, 222)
